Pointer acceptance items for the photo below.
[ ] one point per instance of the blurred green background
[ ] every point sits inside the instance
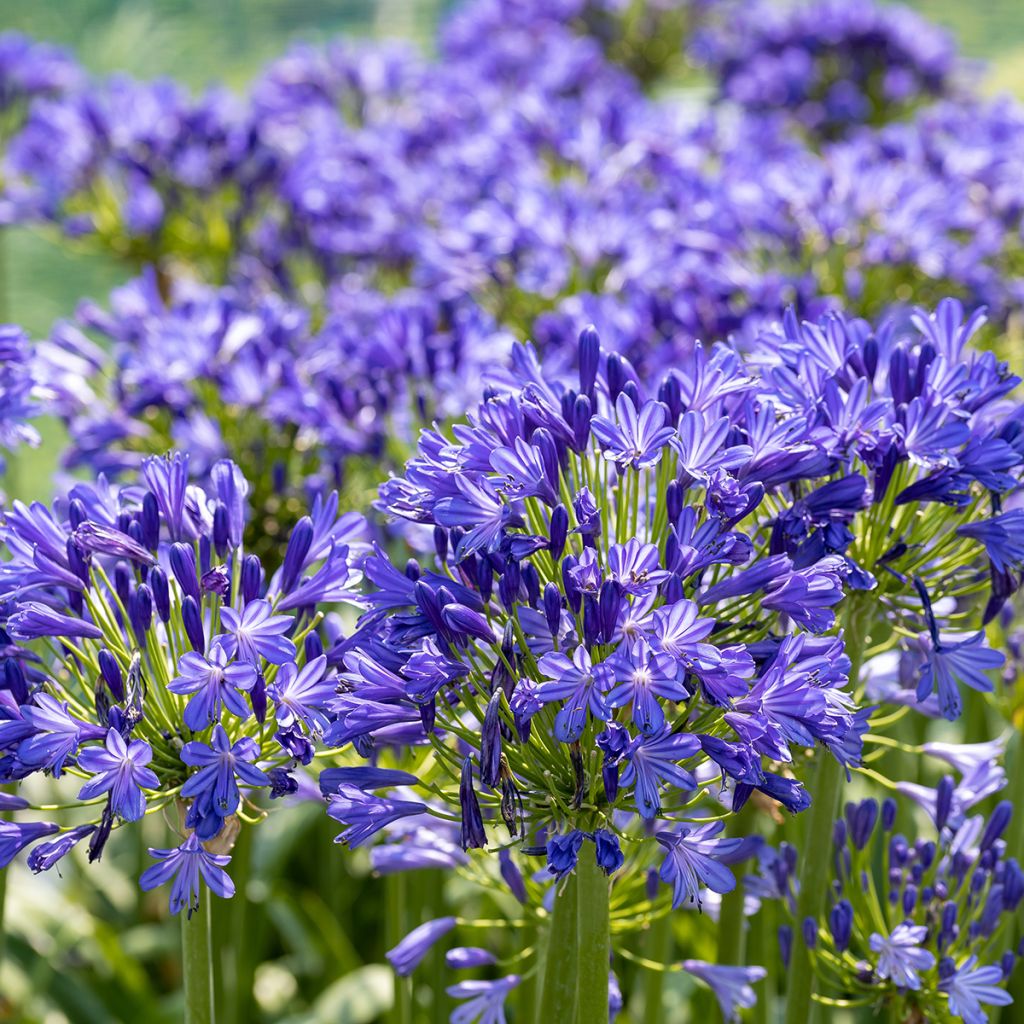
(229, 40)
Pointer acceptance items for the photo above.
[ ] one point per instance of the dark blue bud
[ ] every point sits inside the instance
(76, 513)
(441, 544)
(511, 874)
(558, 530)
(251, 578)
(140, 611)
(258, 698)
(590, 356)
(616, 375)
(943, 800)
(149, 520)
(609, 603)
(888, 814)
(839, 833)
(136, 534)
(563, 852)
(840, 923)
(607, 851)
(552, 607)
(14, 681)
(651, 885)
(1007, 962)
(670, 394)
(1013, 884)
(413, 570)
(161, 592)
(531, 581)
(909, 899)
(183, 565)
(864, 822)
(785, 944)
(122, 583)
(313, 646)
(674, 501)
(996, 824)
(809, 929)
(473, 836)
(926, 854)
(77, 561)
(221, 529)
(460, 619)
(582, 411)
(485, 579)
(192, 620)
(110, 670)
(295, 554)
(947, 968)
(490, 741)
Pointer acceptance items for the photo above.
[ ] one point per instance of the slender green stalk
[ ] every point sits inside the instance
(816, 861)
(815, 868)
(732, 925)
(658, 950)
(593, 944)
(197, 965)
(558, 990)
(397, 893)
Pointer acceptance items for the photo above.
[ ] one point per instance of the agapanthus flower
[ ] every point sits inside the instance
(142, 680)
(733, 986)
(940, 898)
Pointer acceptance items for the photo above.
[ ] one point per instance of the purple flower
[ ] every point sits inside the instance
(16, 835)
(643, 676)
(970, 986)
(121, 770)
(215, 684)
(465, 958)
(186, 864)
(900, 956)
(607, 851)
(45, 855)
(167, 479)
(406, 956)
(1003, 537)
(563, 852)
(733, 986)
(214, 788)
(692, 861)
(635, 567)
(364, 814)
(631, 439)
(578, 684)
(56, 734)
(33, 620)
(257, 632)
(950, 664)
(299, 695)
(485, 1000)
(653, 760)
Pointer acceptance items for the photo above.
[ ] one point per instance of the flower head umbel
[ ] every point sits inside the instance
(160, 655)
(934, 942)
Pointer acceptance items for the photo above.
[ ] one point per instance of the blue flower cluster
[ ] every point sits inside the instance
(924, 926)
(148, 655)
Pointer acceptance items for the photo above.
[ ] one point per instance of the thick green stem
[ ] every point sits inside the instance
(396, 887)
(815, 869)
(658, 950)
(558, 990)
(197, 966)
(816, 854)
(593, 942)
